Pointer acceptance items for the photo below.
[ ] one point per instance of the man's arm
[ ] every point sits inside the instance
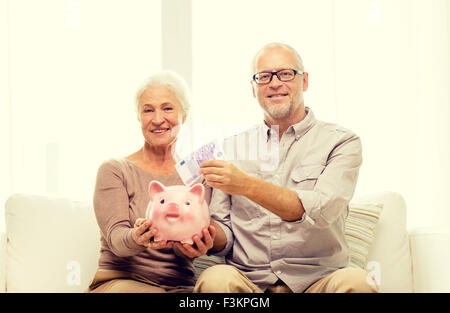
(220, 240)
(278, 200)
(323, 204)
(220, 206)
(229, 179)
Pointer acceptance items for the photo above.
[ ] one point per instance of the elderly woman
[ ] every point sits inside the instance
(130, 261)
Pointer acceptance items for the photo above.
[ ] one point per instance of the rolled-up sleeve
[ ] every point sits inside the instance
(333, 184)
(220, 211)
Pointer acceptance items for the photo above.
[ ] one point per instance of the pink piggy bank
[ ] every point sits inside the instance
(178, 212)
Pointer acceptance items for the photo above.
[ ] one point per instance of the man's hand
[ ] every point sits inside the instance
(200, 246)
(224, 176)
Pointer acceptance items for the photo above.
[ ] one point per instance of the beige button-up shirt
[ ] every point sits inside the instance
(318, 161)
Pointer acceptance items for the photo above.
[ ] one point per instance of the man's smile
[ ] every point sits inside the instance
(277, 95)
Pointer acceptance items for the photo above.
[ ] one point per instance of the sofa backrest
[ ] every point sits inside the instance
(52, 244)
(390, 255)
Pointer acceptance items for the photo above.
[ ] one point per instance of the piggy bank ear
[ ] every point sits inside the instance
(154, 188)
(199, 191)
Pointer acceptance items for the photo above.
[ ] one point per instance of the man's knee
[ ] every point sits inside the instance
(354, 280)
(216, 278)
(223, 279)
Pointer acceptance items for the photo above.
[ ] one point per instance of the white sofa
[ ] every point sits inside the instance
(52, 245)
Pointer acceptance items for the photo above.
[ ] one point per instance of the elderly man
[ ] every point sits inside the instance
(279, 216)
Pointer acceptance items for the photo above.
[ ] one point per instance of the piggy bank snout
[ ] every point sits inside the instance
(173, 208)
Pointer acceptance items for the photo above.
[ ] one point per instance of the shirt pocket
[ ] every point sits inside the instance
(305, 176)
(244, 209)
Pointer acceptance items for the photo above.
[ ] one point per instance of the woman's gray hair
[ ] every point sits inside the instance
(298, 59)
(174, 82)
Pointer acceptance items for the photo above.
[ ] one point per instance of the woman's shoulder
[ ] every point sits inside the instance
(114, 165)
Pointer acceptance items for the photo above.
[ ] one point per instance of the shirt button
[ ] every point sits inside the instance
(278, 272)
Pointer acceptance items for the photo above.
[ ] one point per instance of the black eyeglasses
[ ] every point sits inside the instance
(283, 75)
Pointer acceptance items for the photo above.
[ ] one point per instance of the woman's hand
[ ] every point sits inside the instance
(200, 246)
(143, 236)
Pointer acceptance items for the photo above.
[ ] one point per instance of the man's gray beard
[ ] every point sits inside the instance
(281, 111)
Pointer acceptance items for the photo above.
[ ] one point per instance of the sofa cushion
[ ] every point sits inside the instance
(203, 262)
(389, 256)
(52, 244)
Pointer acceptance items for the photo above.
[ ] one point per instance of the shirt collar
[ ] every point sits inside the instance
(298, 130)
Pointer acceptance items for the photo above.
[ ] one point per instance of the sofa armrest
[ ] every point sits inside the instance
(2, 262)
(430, 251)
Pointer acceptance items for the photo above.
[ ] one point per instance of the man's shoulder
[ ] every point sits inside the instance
(334, 129)
(243, 135)
(245, 132)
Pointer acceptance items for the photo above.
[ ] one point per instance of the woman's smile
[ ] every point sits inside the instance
(159, 131)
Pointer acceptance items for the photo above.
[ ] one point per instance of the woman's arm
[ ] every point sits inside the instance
(111, 208)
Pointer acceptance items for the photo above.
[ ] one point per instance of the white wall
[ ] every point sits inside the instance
(393, 89)
(227, 34)
(73, 67)
(176, 39)
(5, 125)
(380, 68)
(70, 69)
